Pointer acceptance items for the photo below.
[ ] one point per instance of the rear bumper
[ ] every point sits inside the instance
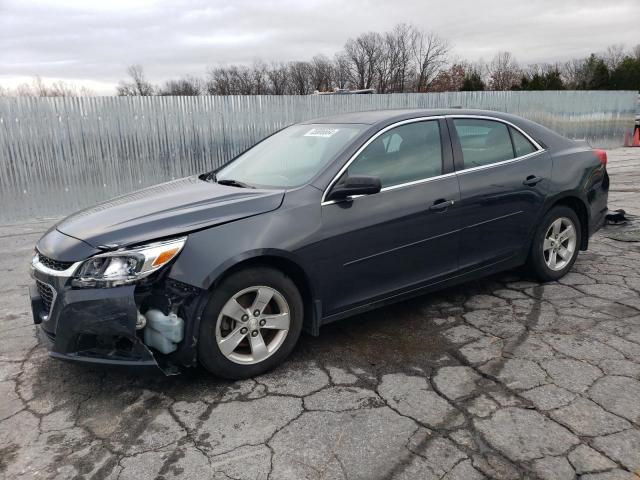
(598, 222)
(598, 204)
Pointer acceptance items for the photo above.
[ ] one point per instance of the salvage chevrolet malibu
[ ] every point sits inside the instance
(321, 220)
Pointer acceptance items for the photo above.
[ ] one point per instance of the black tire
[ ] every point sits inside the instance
(209, 353)
(536, 261)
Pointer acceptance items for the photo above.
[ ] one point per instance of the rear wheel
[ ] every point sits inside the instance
(555, 244)
(251, 323)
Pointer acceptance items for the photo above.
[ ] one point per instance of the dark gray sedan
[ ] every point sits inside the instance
(322, 220)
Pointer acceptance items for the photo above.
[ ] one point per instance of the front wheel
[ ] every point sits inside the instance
(251, 323)
(555, 244)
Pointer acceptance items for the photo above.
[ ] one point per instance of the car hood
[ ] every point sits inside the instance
(166, 209)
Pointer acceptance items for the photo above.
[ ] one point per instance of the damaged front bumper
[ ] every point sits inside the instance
(101, 325)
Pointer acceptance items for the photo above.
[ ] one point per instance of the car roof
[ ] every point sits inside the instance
(377, 119)
(374, 117)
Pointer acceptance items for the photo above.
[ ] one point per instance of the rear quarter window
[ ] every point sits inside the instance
(521, 145)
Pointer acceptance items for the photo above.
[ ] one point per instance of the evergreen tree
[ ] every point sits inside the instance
(472, 82)
(626, 76)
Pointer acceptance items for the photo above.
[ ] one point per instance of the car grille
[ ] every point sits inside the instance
(53, 264)
(47, 293)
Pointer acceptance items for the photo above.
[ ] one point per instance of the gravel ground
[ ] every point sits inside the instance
(500, 378)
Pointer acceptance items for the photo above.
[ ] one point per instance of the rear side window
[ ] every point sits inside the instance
(483, 142)
(521, 145)
(403, 154)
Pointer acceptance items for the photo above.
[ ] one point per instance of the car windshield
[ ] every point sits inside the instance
(290, 157)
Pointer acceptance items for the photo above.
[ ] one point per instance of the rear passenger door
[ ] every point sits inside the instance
(503, 176)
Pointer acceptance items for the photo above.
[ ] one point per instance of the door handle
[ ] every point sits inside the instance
(532, 181)
(440, 205)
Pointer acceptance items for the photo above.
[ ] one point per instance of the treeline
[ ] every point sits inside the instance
(38, 88)
(405, 59)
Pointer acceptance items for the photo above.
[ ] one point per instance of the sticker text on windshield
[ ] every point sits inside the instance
(321, 132)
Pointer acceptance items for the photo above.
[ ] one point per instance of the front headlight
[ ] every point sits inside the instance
(126, 266)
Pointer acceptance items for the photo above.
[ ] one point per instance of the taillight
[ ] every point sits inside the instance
(602, 156)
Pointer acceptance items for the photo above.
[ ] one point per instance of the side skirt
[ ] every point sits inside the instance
(500, 266)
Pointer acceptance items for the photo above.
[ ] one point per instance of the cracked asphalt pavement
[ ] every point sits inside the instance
(500, 378)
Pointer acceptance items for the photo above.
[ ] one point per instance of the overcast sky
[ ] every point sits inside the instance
(91, 42)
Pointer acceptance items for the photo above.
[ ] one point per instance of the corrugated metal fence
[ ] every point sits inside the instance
(61, 154)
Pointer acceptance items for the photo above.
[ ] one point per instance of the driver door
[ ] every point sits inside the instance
(403, 237)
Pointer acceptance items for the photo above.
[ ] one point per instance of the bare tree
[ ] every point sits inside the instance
(63, 89)
(38, 88)
(186, 86)
(219, 82)
(391, 64)
(430, 55)
(614, 56)
(356, 62)
(259, 77)
(138, 86)
(321, 72)
(24, 90)
(341, 73)
(362, 55)
(635, 51)
(241, 80)
(571, 72)
(278, 76)
(233, 80)
(504, 71)
(400, 47)
(373, 46)
(401, 60)
(300, 78)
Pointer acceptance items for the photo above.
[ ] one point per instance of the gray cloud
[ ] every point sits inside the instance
(80, 41)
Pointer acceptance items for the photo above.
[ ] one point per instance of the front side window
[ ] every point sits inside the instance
(290, 157)
(403, 154)
(483, 142)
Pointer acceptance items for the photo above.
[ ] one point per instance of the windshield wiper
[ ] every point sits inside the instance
(233, 183)
(212, 177)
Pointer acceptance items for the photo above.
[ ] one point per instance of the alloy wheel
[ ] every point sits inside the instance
(253, 325)
(559, 243)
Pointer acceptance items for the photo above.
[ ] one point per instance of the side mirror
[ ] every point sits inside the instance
(356, 185)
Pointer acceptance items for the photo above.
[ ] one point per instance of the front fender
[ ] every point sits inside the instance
(283, 234)
(266, 253)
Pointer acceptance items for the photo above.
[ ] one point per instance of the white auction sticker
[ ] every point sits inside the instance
(321, 132)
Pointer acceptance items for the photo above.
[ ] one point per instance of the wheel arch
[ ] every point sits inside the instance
(579, 206)
(287, 264)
